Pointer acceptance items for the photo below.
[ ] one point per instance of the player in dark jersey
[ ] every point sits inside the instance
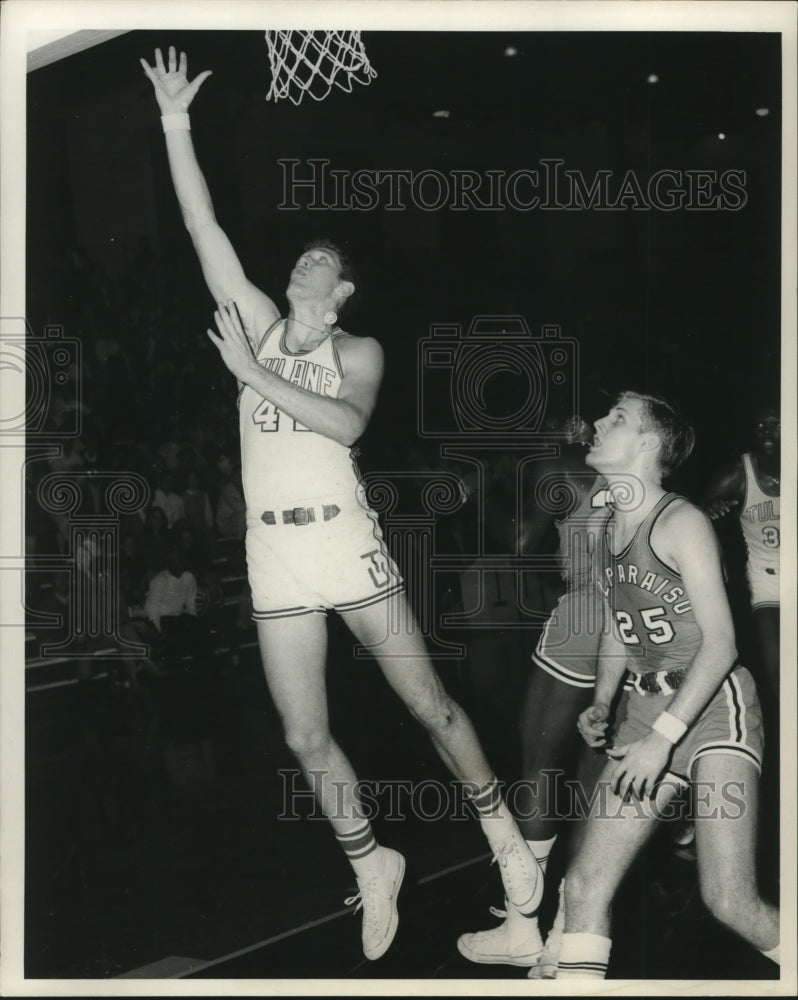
(693, 715)
(751, 487)
(308, 391)
(559, 687)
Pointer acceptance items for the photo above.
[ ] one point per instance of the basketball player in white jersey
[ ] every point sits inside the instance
(752, 487)
(693, 713)
(307, 392)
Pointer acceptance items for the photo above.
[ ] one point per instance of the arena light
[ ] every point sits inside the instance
(763, 112)
(511, 51)
(652, 78)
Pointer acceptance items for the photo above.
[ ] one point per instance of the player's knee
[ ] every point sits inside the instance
(307, 742)
(725, 902)
(583, 889)
(577, 887)
(436, 714)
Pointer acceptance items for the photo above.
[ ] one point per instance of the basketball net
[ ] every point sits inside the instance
(310, 62)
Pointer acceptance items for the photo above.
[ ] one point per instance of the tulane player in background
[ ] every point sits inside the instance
(307, 391)
(692, 714)
(752, 487)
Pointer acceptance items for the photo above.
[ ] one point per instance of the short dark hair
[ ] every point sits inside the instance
(346, 269)
(677, 437)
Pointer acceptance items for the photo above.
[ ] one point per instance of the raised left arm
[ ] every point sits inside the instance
(345, 418)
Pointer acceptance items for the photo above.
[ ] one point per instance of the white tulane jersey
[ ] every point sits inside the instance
(284, 464)
(760, 520)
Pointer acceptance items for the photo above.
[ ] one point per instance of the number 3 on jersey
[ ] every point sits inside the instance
(267, 417)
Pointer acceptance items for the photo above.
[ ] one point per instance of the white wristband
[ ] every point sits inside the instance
(177, 120)
(670, 727)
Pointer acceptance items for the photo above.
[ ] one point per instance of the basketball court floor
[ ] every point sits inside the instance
(155, 847)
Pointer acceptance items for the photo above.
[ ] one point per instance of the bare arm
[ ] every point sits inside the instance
(684, 538)
(345, 418)
(611, 666)
(725, 492)
(693, 549)
(221, 267)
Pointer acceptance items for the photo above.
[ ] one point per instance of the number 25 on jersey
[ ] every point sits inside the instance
(658, 629)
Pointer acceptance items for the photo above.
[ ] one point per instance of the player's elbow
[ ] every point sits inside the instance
(724, 648)
(349, 436)
(352, 428)
(200, 222)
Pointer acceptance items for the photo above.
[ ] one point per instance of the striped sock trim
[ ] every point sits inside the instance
(542, 849)
(583, 956)
(487, 799)
(358, 843)
(581, 970)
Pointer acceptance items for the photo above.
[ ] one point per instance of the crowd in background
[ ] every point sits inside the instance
(147, 396)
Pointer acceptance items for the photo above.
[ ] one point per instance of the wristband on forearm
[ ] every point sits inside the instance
(670, 727)
(176, 120)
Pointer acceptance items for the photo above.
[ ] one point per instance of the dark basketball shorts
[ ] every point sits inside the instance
(569, 644)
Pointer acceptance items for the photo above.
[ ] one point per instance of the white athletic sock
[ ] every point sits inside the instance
(542, 849)
(361, 848)
(774, 954)
(583, 956)
(494, 817)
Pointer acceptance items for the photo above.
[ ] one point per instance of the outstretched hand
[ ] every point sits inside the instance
(172, 90)
(232, 342)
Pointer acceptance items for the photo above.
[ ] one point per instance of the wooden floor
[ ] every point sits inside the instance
(155, 847)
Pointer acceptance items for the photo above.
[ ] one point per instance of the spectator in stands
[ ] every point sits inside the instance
(169, 500)
(197, 504)
(155, 541)
(171, 606)
(169, 450)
